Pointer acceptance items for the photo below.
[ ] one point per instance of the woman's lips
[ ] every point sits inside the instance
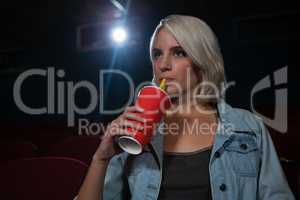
(167, 79)
(170, 82)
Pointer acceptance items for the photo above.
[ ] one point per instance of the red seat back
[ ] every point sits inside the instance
(46, 178)
(79, 147)
(10, 150)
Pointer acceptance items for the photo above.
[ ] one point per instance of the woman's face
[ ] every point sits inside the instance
(171, 62)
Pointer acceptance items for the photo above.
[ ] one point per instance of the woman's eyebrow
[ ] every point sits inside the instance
(156, 49)
(172, 48)
(176, 48)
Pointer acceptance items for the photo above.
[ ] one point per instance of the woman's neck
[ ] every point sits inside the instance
(189, 109)
(190, 127)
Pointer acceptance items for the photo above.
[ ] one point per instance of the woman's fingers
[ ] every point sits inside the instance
(132, 124)
(114, 131)
(124, 122)
(134, 116)
(129, 118)
(134, 109)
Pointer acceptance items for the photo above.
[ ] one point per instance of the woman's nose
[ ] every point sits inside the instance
(166, 64)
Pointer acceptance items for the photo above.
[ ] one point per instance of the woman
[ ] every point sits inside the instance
(229, 155)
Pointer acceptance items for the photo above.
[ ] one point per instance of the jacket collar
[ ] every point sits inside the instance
(229, 122)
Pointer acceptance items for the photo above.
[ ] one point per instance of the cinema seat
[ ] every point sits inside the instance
(10, 150)
(47, 178)
(78, 147)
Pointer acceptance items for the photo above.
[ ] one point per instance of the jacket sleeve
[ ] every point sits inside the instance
(272, 181)
(115, 187)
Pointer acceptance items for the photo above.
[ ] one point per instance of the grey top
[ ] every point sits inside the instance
(186, 175)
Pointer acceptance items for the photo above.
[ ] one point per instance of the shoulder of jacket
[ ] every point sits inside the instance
(246, 120)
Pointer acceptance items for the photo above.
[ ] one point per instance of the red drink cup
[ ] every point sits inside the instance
(155, 102)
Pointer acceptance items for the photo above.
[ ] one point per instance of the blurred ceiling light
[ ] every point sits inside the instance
(119, 35)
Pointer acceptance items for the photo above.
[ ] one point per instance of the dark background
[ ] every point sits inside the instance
(256, 37)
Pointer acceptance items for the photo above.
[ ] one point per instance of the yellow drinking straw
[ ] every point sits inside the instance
(162, 84)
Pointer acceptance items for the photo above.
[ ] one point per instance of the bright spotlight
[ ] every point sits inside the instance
(119, 35)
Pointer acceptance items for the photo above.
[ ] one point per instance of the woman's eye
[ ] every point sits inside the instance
(180, 53)
(155, 55)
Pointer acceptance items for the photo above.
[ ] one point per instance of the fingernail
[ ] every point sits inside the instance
(140, 109)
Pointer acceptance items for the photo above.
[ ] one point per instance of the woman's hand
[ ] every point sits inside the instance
(108, 148)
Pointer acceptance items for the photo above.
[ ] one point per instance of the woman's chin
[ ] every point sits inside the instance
(172, 91)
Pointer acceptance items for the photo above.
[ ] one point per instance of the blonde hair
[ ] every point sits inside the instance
(201, 45)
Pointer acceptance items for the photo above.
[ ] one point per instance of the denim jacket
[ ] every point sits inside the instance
(243, 164)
